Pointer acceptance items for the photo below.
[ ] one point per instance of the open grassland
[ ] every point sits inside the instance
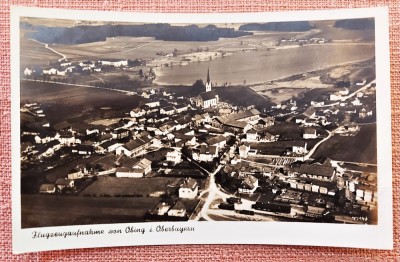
(361, 148)
(43, 92)
(115, 186)
(44, 211)
(243, 96)
(33, 53)
(77, 105)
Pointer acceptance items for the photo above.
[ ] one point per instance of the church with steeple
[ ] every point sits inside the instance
(209, 98)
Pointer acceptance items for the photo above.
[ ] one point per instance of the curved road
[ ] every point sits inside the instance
(64, 57)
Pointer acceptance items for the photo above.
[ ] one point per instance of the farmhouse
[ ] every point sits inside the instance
(249, 185)
(75, 173)
(134, 147)
(246, 116)
(168, 110)
(310, 133)
(205, 154)
(83, 150)
(47, 189)
(316, 172)
(169, 209)
(63, 183)
(140, 169)
(299, 147)
(218, 141)
(189, 188)
(310, 112)
(174, 157)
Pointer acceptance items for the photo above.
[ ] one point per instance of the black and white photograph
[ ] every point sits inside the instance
(269, 121)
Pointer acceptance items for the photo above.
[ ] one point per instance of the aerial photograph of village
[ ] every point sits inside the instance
(144, 122)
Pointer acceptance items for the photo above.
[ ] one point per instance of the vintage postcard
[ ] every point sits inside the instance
(154, 129)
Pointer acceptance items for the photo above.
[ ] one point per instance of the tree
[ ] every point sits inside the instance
(198, 86)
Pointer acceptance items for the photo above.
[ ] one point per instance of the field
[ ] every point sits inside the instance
(361, 148)
(290, 130)
(75, 103)
(113, 186)
(43, 210)
(33, 53)
(243, 96)
(278, 147)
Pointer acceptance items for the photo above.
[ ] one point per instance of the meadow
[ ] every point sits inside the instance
(361, 148)
(49, 210)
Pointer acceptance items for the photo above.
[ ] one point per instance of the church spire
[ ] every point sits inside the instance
(208, 83)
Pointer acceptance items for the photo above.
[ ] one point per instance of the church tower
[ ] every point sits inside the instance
(208, 83)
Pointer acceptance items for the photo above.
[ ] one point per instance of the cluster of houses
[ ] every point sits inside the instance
(201, 129)
(293, 41)
(66, 68)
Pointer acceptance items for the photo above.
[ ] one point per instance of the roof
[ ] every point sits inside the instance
(168, 108)
(143, 163)
(208, 150)
(249, 182)
(309, 112)
(84, 148)
(234, 123)
(208, 95)
(317, 170)
(310, 131)
(244, 114)
(130, 170)
(47, 187)
(136, 143)
(108, 144)
(189, 183)
(321, 161)
(215, 140)
(63, 181)
(299, 143)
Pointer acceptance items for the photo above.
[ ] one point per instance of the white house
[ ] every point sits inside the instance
(310, 133)
(47, 189)
(142, 168)
(189, 188)
(299, 147)
(249, 185)
(174, 157)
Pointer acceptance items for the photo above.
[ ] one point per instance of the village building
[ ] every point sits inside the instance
(217, 141)
(209, 98)
(188, 189)
(47, 189)
(83, 150)
(137, 112)
(299, 147)
(63, 183)
(75, 173)
(134, 148)
(310, 133)
(205, 153)
(120, 133)
(248, 185)
(140, 169)
(175, 157)
(166, 209)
